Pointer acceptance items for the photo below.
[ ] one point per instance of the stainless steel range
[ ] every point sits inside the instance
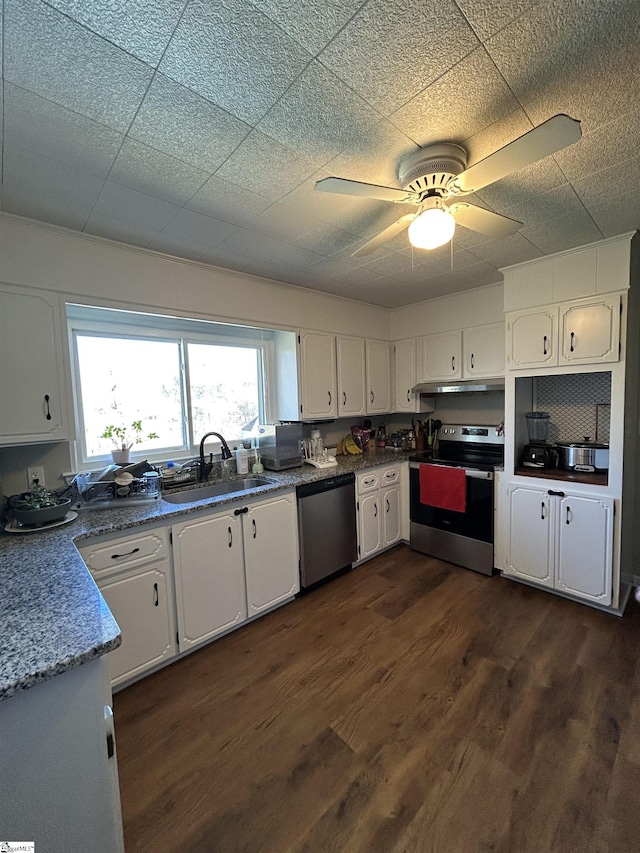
(452, 496)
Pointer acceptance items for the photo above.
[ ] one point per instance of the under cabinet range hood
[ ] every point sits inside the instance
(465, 386)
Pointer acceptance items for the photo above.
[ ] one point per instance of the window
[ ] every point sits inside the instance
(179, 378)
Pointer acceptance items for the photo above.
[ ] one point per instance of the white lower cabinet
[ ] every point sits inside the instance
(232, 565)
(378, 495)
(562, 540)
(133, 574)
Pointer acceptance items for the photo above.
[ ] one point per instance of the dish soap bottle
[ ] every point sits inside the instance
(242, 460)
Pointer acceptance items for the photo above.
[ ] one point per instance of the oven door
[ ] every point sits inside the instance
(475, 523)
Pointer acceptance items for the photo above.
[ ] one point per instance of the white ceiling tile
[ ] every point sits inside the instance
(358, 276)
(476, 88)
(578, 57)
(607, 145)
(325, 239)
(185, 125)
(141, 27)
(560, 202)
(261, 247)
(328, 17)
(52, 56)
(118, 229)
(373, 157)
(178, 247)
(522, 186)
(616, 214)
(391, 49)
(489, 16)
(233, 55)
(613, 180)
(49, 208)
(48, 130)
(476, 275)
(227, 260)
(555, 235)
(229, 202)
(189, 225)
(127, 205)
(318, 116)
(496, 135)
(510, 250)
(261, 164)
(149, 171)
(285, 223)
(50, 180)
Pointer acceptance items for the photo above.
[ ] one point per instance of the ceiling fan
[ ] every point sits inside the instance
(436, 176)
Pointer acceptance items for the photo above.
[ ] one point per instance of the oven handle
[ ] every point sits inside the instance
(469, 472)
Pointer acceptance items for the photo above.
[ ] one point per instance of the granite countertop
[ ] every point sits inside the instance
(52, 615)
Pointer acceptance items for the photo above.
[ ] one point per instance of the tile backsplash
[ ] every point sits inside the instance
(578, 404)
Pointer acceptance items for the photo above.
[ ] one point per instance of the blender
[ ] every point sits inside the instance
(537, 454)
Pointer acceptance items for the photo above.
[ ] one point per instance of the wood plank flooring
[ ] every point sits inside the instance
(409, 706)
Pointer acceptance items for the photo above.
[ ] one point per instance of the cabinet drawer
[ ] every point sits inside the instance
(126, 551)
(390, 475)
(368, 482)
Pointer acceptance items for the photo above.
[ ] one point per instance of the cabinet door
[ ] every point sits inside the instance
(405, 375)
(351, 377)
(143, 609)
(32, 391)
(484, 350)
(270, 533)
(590, 332)
(585, 547)
(369, 525)
(209, 572)
(532, 338)
(317, 375)
(530, 540)
(390, 500)
(442, 356)
(378, 377)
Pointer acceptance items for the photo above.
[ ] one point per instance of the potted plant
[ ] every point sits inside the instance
(123, 438)
(38, 506)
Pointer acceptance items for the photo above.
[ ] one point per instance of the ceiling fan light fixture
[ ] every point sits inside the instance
(432, 228)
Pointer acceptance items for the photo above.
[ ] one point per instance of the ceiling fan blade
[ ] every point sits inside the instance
(546, 139)
(485, 221)
(385, 235)
(356, 188)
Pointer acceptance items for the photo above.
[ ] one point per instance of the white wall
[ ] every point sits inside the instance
(477, 307)
(84, 267)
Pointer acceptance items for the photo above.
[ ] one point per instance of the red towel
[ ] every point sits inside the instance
(443, 487)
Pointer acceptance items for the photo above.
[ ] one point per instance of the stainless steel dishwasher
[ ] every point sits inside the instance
(327, 525)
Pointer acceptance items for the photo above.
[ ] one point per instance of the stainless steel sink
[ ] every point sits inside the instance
(215, 490)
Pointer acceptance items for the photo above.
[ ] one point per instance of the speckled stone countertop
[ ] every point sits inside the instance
(52, 615)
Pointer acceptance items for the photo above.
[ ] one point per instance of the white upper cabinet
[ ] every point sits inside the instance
(405, 375)
(317, 366)
(441, 356)
(590, 331)
(378, 358)
(532, 338)
(351, 377)
(32, 392)
(483, 349)
(586, 331)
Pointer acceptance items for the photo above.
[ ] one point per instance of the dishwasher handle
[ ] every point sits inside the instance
(306, 490)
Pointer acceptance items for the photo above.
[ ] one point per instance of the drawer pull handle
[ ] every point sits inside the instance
(255, 529)
(155, 595)
(243, 511)
(544, 346)
(48, 415)
(230, 537)
(555, 494)
(128, 554)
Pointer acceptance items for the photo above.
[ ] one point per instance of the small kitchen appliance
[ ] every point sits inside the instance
(280, 445)
(586, 455)
(537, 454)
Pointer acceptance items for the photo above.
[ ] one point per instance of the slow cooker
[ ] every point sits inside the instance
(584, 455)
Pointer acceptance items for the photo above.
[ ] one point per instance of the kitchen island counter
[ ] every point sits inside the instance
(52, 614)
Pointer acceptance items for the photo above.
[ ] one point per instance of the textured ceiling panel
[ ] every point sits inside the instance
(149, 171)
(141, 27)
(179, 122)
(393, 49)
(48, 54)
(328, 17)
(200, 128)
(47, 130)
(233, 55)
(480, 95)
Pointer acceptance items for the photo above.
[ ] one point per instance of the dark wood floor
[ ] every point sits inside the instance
(407, 706)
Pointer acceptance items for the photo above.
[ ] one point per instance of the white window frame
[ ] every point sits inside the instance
(140, 326)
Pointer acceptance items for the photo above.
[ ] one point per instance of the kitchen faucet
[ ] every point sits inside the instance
(205, 467)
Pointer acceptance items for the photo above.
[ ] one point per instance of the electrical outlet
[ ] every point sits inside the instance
(36, 472)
